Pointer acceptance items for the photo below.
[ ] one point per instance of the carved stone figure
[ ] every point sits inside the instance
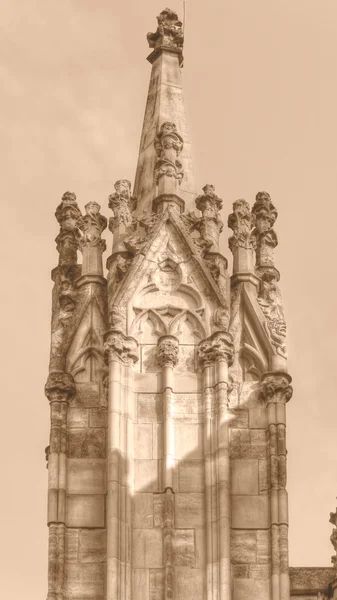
(169, 33)
(123, 204)
(275, 387)
(270, 301)
(221, 318)
(121, 348)
(264, 237)
(210, 224)
(67, 241)
(168, 144)
(241, 220)
(92, 226)
(168, 351)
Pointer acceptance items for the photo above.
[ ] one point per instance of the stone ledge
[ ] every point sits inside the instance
(310, 580)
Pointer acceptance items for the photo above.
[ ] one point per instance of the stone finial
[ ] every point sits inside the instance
(168, 351)
(67, 241)
(120, 348)
(217, 347)
(123, 204)
(210, 224)
(168, 169)
(263, 236)
(60, 386)
(169, 34)
(241, 221)
(275, 387)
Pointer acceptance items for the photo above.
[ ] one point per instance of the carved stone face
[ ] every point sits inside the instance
(92, 208)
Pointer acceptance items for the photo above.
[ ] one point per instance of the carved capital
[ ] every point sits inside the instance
(217, 347)
(168, 351)
(168, 144)
(169, 34)
(275, 387)
(121, 348)
(92, 225)
(60, 386)
(67, 241)
(241, 220)
(123, 204)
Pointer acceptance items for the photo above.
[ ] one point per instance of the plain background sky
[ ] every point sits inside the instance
(261, 97)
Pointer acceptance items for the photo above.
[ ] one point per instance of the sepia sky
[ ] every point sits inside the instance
(261, 96)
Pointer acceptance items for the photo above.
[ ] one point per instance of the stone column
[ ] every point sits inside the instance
(59, 389)
(122, 352)
(91, 244)
(215, 355)
(168, 350)
(275, 390)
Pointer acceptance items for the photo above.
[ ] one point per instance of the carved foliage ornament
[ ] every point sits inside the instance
(168, 144)
(275, 387)
(123, 204)
(264, 237)
(169, 33)
(60, 386)
(92, 225)
(168, 351)
(215, 348)
(241, 220)
(120, 347)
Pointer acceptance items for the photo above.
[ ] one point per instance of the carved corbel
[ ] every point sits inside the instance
(169, 35)
(67, 241)
(60, 386)
(217, 347)
(120, 348)
(168, 351)
(275, 387)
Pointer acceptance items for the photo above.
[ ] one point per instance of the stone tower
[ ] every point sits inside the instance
(168, 382)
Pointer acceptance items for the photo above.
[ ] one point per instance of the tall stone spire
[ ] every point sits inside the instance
(164, 135)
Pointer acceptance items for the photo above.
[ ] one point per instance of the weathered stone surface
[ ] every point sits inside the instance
(246, 589)
(86, 476)
(85, 581)
(264, 476)
(238, 418)
(147, 548)
(183, 548)
(191, 474)
(146, 475)
(85, 511)
(200, 548)
(188, 441)
(149, 408)
(189, 510)
(245, 476)
(71, 545)
(86, 443)
(263, 553)
(78, 417)
(243, 546)
(258, 417)
(156, 584)
(92, 546)
(189, 583)
(98, 417)
(140, 584)
(87, 395)
(250, 512)
(157, 440)
(143, 443)
(142, 511)
(315, 579)
(246, 443)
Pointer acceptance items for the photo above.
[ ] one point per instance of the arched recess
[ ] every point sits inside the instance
(187, 327)
(88, 364)
(147, 327)
(252, 363)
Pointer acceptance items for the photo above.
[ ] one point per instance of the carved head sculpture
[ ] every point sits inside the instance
(92, 208)
(169, 31)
